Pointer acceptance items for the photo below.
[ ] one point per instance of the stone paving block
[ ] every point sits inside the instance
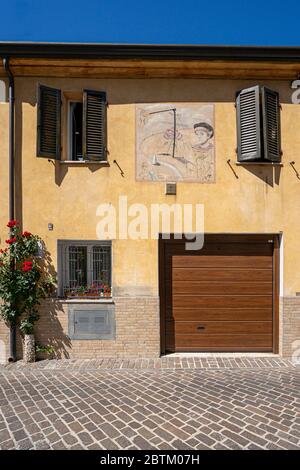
(85, 438)
(41, 445)
(24, 444)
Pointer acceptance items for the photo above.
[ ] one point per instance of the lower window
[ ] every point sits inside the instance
(84, 268)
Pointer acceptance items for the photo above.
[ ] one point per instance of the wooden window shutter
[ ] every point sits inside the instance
(271, 125)
(49, 122)
(248, 124)
(94, 125)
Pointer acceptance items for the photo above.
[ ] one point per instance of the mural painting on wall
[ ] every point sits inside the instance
(175, 142)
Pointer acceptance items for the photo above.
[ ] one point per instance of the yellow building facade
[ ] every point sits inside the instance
(59, 200)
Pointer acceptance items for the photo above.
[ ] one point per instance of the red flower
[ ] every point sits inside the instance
(12, 223)
(27, 266)
(11, 240)
(26, 234)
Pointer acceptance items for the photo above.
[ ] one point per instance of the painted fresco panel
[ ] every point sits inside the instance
(175, 142)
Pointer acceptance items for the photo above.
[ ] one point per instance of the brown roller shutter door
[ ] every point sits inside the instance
(220, 298)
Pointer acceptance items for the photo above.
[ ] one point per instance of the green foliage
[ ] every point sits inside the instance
(44, 349)
(22, 280)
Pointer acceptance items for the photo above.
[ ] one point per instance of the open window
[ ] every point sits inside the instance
(75, 126)
(84, 136)
(258, 125)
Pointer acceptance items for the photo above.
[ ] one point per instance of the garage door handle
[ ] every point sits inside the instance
(200, 327)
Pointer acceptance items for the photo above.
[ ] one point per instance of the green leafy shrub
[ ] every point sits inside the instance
(44, 349)
(23, 282)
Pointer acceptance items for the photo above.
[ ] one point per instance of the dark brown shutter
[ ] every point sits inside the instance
(248, 124)
(271, 125)
(49, 122)
(94, 125)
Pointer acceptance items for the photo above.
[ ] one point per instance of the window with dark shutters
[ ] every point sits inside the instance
(258, 125)
(49, 122)
(271, 124)
(248, 124)
(94, 125)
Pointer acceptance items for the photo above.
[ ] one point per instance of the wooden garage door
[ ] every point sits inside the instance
(219, 298)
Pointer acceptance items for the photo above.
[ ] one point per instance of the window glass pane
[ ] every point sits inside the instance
(86, 270)
(101, 265)
(77, 266)
(76, 131)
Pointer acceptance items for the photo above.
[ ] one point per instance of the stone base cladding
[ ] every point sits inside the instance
(291, 326)
(137, 331)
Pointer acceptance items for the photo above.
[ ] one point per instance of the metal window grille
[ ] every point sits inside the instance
(77, 266)
(101, 265)
(84, 269)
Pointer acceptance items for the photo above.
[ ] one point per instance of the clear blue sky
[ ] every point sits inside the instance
(253, 22)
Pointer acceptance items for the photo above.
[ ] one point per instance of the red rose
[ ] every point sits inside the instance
(11, 240)
(12, 223)
(26, 234)
(27, 266)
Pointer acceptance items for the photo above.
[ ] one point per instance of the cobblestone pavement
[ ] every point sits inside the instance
(81, 405)
(229, 361)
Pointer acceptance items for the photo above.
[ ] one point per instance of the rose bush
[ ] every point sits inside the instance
(23, 282)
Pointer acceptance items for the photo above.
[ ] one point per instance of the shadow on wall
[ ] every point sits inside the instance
(49, 329)
(50, 332)
(268, 174)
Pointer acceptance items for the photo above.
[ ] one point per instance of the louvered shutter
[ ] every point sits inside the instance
(271, 125)
(248, 124)
(49, 122)
(94, 125)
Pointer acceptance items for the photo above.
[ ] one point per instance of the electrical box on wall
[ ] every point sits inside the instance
(171, 189)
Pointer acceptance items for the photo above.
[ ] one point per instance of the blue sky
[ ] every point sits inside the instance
(252, 22)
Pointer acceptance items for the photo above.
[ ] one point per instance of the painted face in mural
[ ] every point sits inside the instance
(204, 133)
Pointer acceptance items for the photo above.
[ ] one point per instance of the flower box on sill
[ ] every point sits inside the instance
(87, 292)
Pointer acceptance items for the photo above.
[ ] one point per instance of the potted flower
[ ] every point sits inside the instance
(107, 291)
(81, 291)
(93, 290)
(26, 327)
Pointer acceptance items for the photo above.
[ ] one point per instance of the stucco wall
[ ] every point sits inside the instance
(260, 199)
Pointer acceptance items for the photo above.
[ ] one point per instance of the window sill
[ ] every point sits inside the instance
(259, 163)
(83, 162)
(101, 300)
